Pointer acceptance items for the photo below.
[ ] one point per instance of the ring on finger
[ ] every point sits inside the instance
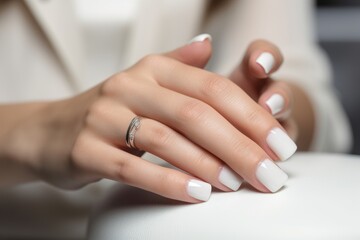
(131, 131)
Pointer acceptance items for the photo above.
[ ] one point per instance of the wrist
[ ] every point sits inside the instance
(19, 138)
(36, 139)
(62, 122)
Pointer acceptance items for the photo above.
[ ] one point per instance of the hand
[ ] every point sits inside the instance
(198, 121)
(253, 76)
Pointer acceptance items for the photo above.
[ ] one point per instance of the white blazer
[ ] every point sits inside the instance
(62, 28)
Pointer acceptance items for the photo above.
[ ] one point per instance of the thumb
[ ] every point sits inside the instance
(196, 53)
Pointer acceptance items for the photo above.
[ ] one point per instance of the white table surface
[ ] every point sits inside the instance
(321, 200)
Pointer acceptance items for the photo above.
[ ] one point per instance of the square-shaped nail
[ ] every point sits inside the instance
(266, 60)
(281, 144)
(199, 189)
(275, 103)
(270, 175)
(229, 178)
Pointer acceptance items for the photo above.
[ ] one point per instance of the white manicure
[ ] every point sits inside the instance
(276, 103)
(266, 61)
(270, 175)
(230, 179)
(201, 38)
(199, 189)
(281, 144)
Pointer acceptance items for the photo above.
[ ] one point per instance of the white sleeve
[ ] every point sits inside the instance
(290, 25)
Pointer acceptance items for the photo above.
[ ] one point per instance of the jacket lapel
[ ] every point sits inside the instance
(59, 23)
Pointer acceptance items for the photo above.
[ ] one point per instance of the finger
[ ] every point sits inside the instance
(112, 122)
(205, 127)
(231, 102)
(261, 59)
(100, 158)
(164, 142)
(277, 99)
(196, 53)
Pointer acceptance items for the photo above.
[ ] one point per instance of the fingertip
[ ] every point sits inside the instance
(201, 38)
(196, 53)
(276, 99)
(271, 175)
(275, 103)
(200, 48)
(199, 190)
(230, 179)
(262, 64)
(265, 58)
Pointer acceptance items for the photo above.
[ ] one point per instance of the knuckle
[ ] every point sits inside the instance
(255, 116)
(193, 110)
(160, 136)
(152, 60)
(242, 147)
(215, 86)
(201, 160)
(96, 108)
(78, 149)
(120, 171)
(118, 82)
(95, 112)
(259, 117)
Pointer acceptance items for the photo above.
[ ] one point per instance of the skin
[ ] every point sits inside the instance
(297, 117)
(76, 141)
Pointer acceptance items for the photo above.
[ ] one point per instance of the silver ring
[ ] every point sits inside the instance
(130, 134)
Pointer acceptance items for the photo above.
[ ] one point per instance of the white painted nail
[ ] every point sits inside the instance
(201, 38)
(266, 61)
(229, 178)
(270, 175)
(199, 189)
(281, 144)
(276, 103)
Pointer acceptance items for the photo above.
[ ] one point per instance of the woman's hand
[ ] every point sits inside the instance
(198, 121)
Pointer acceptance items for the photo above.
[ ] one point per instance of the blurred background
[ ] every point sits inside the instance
(338, 24)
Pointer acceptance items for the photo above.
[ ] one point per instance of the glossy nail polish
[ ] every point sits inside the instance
(281, 144)
(199, 189)
(275, 103)
(201, 38)
(229, 178)
(270, 175)
(266, 61)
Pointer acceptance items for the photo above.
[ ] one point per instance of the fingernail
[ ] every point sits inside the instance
(199, 189)
(229, 178)
(201, 38)
(270, 175)
(266, 61)
(281, 144)
(276, 103)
